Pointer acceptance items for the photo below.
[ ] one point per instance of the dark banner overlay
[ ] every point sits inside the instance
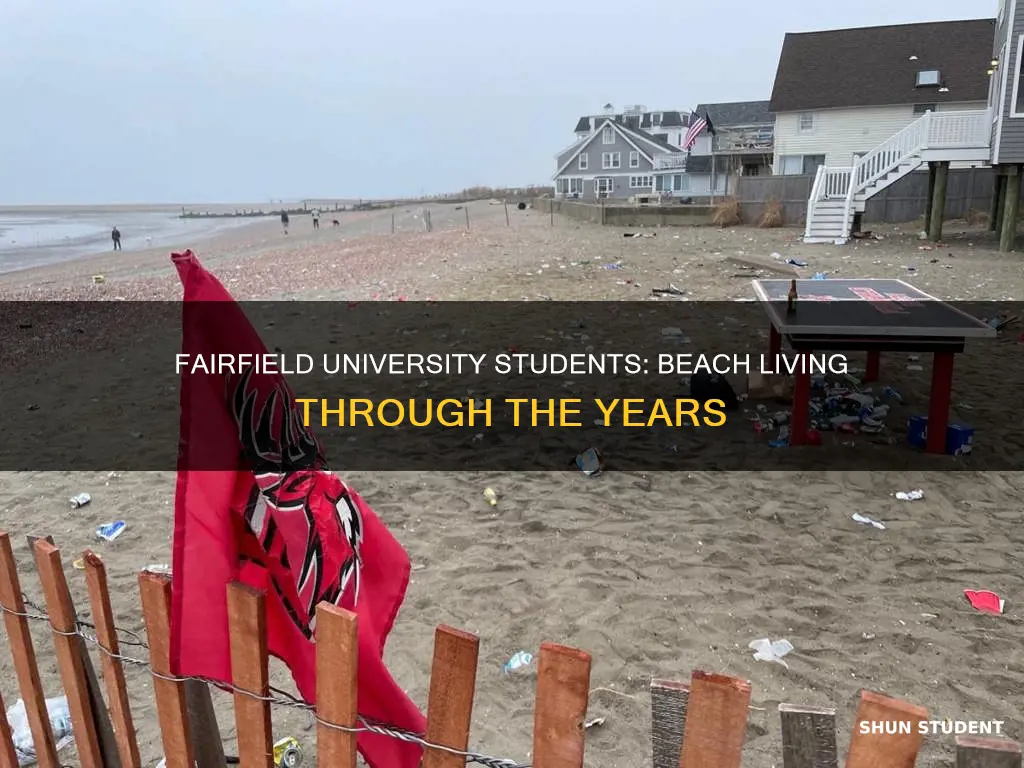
(518, 385)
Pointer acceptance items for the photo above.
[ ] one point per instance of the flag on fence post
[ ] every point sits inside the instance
(255, 503)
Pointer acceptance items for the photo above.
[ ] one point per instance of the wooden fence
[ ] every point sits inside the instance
(699, 725)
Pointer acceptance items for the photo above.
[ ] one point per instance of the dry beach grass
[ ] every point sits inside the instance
(654, 574)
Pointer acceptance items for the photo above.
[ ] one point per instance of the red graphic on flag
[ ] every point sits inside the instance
(278, 521)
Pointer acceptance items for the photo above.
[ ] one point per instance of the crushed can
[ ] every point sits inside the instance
(287, 753)
(79, 501)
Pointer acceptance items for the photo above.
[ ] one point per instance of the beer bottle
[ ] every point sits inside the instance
(791, 298)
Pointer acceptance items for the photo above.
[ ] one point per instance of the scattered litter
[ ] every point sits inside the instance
(111, 531)
(614, 265)
(287, 753)
(985, 601)
(777, 256)
(766, 650)
(865, 520)
(21, 732)
(797, 262)
(670, 291)
(160, 568)
(79, 501)
(672, 331)
(79, 564)
(98, 279)
(590, 462)
(491, 496)
(639, 234)
(32, 407)
(867, 635)
(819, 276)
(520, 660)
(909, 495)
(597, 722)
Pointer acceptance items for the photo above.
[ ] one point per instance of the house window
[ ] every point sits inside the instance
(1018, 90)
(641, 182)
(584, 161)
(751, 170)
(681, 182)
(634, 159)
(928, 77)
(656, 118)
(920, 109)
(604, 187)
(610, 160)
(791, 165)
(806, 122)
(608, 135)
(575, 186)
(811, 163)
(561, 186)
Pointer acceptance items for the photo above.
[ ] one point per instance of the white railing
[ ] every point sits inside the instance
(958, 130)
(668, 162)
(815, 191)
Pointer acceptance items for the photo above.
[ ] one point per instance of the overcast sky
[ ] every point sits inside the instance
(110, 101)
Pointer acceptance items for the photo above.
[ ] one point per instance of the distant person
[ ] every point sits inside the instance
(316, 218)
(284, 221)
(115, 235)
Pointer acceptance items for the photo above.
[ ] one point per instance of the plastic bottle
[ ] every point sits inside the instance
(520, 661)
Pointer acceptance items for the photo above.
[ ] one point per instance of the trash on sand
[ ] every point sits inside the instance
(492, 496)
(639, 234)
(670, 291)
(614, 265)
(287, 752)
(671, 331)
(909, 495)
(590, 462)
(766, 650)
(111, 531)
(98, 279)
(519, 660)
(597, 722)
(79, 564)
(160, 568)
(985, 601)
(865, 520)
(819, 276)
(21, 733)
(797, 262)
(80, 500)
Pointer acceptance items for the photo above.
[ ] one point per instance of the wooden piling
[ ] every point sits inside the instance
(937, 211)
(1008, 225)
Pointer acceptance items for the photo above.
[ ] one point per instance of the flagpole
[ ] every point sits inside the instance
(714, 186)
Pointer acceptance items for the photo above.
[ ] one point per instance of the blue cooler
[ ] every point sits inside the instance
(959, 437)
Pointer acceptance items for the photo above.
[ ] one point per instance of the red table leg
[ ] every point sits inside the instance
(871, 372)
(938, 406)
(774, 347)
(801, 402)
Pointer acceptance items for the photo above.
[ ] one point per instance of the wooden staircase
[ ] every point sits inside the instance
(839, 192)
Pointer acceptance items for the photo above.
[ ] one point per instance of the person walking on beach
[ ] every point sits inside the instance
(284, 221)
(115, 235)
(316, 218)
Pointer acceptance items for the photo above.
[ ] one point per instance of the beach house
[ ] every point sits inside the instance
(615, 155)
(861, 108)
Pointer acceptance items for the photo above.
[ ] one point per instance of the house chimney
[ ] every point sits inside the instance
(609, 109)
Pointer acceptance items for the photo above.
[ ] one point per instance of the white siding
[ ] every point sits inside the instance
(839, 133)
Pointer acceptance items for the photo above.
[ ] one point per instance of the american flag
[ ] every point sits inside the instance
(697, 124)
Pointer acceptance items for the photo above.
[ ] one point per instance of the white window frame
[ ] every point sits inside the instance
(583, 162)
(611, 161)
(601, 181)
(684, 182)
(608, 135)
(801, 118)
(575, 185)
(1014, 112)
(919, 84)
(656, 119)
(636, 182)
(782, 165)
(634, 159)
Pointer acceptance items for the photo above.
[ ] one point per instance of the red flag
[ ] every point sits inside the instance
(256, 503)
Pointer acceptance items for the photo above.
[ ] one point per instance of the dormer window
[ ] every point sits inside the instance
(928, 77)
(656, 118)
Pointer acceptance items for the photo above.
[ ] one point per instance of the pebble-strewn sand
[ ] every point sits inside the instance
(653, 574)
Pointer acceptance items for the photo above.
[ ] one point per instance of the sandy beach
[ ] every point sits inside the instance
(655, 574)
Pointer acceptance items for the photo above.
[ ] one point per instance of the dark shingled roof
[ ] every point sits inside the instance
(583, 125)
(871, 66)
(737, 113)
(644, 134)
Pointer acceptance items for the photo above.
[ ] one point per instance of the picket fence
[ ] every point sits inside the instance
(702, 724)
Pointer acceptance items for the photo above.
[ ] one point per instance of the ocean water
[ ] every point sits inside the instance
(38, 239)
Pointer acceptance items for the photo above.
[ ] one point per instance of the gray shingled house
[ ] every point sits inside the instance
(620, 155)
(741, 146)
(862, 108)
